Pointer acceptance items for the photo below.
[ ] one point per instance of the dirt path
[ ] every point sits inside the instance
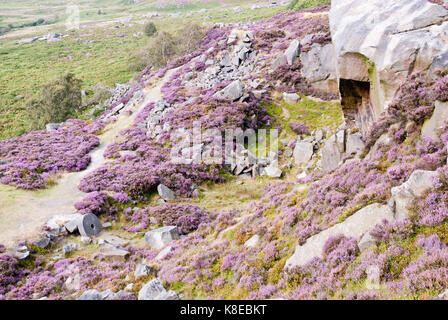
(23, 213)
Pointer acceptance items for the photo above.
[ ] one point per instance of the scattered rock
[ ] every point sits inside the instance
(107, 225)
(154, 290)
(142, 270)
(159, 238)
(253, 241)
(69, 248)
(273, 172)
(94, 295)
(292, 52)
(86, 240)
(53, 126)
(113, 240)
(278, 62)
(105, 295)
(233, 91)
(21, 253)
(443, 296)
(166, 193)
(56, 224)
(291, 98)
(354, 143)
(29, 40)
(42, 243)
(129, 287)
(113, 253)
(333, 150)
(73, 282)
(303, 152)
(319, 67)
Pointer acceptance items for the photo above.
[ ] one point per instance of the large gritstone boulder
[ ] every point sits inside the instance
(378, 44)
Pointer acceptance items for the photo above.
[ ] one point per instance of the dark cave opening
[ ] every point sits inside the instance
(356, 103)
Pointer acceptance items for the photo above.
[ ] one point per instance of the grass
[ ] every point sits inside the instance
(230, 195)
(303, 4)
(25, 68)
(315, 114)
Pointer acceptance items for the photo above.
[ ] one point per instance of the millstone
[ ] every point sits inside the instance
(89, 225)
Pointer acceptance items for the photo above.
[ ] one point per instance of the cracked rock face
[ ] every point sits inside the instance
(382, 43)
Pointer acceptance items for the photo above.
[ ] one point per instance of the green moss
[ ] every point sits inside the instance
(303, 4)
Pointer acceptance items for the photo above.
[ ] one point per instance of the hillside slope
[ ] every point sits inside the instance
(353, 205)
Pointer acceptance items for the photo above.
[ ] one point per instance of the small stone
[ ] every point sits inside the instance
(233, 91)
(21, 255)
(129, 287)
(273, 172)
(443, 295)
(159, 238)
(94, 295)
(154, 290)
(73, 283)
(42, 243)
(291, 98)
(292, 52)
(68, 248)
(107, 225)
(113, 240)
(354, 143)
(303, 152)
(253, 241)
(113, 253)
(142, 270)
(86, 240)
(53, 126)
(165, 192)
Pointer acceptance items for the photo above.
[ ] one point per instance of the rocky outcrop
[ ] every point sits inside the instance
(361, 222)
(378, 44)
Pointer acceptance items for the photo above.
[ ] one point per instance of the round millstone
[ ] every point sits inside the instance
(89, 225)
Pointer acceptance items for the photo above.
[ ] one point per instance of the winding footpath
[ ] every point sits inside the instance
(23, 213)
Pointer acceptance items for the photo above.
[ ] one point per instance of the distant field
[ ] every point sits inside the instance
(26, 67)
